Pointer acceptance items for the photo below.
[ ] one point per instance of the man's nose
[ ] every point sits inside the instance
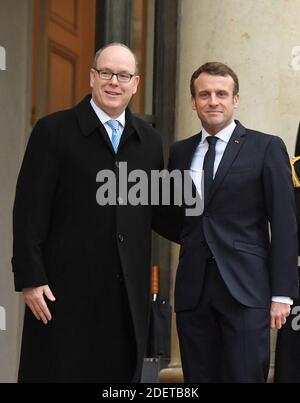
(214, 99)
(114, 80)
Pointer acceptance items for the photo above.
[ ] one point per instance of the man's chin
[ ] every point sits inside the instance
(213, 126)
(214, 121)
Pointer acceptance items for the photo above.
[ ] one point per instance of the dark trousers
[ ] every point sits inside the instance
(222, 340)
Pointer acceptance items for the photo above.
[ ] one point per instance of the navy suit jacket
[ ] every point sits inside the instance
(251, 192)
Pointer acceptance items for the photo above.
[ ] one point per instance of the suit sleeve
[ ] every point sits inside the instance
(280, 204)
(35, 192)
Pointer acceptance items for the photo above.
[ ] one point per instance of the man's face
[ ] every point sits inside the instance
(214, 101)
(111, 95)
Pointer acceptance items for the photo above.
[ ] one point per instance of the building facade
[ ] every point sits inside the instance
(260, 40)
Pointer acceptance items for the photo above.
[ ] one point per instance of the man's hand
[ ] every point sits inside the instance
(279, 312)
(34, 299)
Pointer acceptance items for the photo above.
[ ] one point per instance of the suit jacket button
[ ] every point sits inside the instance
(121, 238)
(117, 164)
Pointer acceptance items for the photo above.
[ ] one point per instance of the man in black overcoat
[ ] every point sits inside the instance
(83, 267)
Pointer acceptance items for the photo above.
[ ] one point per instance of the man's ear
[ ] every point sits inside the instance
(236, 100)
(135, 83)
(193, 103)
(92, 78)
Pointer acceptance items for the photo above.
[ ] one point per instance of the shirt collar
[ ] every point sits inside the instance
(104, 117)
(223, 134)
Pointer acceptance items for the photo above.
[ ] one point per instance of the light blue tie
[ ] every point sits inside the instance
(116, 133)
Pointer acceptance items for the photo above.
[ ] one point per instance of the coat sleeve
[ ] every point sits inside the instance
(35, 192)
(280, 204)
(168, 220)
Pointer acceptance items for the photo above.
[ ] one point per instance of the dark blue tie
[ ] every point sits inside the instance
(208, 164)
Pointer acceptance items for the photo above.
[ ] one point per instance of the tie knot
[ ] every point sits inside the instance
(114, 124)
(211, 140)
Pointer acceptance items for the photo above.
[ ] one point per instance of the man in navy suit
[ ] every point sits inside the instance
(235, 278)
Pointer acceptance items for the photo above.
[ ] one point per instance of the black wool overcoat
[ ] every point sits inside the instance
(94, 258)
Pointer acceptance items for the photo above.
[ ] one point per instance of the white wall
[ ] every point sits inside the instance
(15, 37)
(255, 38)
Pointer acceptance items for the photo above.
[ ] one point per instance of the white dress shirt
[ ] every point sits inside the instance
(196, 169)
(104, 118)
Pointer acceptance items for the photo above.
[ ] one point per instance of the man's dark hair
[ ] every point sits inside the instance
(215, 69)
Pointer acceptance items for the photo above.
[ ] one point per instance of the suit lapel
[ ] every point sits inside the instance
(233, 148)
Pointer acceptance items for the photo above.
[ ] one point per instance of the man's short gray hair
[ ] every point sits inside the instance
(99, 51)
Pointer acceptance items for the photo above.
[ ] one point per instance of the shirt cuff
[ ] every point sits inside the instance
(283, 300)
